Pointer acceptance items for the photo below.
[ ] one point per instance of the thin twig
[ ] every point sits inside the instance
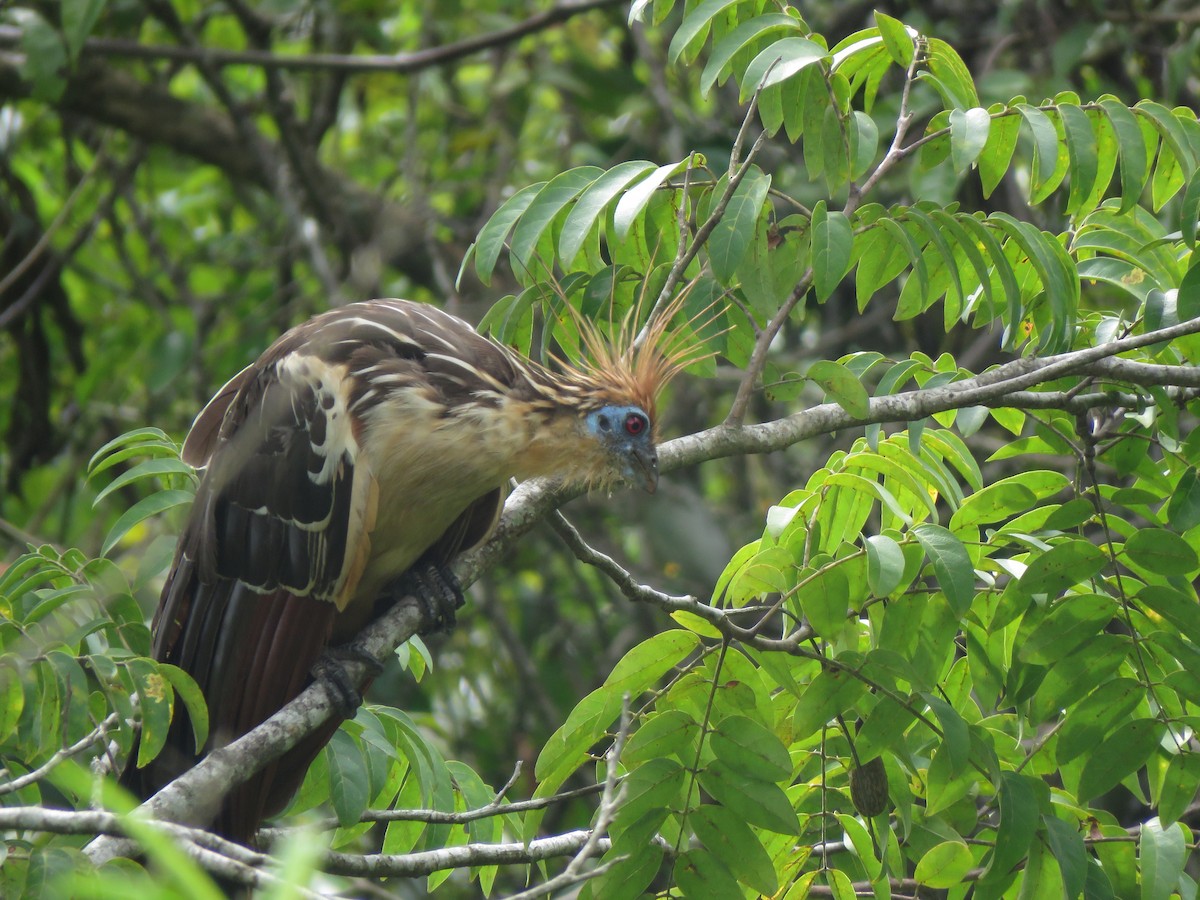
(96, 734)
(440, 817)
(896, 151)
(737, 173)
(610, 801)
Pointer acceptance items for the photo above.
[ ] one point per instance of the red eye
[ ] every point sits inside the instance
(635, 424)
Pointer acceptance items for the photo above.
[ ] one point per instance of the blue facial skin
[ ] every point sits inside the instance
(626, 433)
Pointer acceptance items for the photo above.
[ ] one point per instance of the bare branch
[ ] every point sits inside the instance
(97, 734)
(440, 817)
(398, 63)
(410, 865)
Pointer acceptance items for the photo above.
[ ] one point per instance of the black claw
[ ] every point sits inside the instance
(330, 669)
(437, 589)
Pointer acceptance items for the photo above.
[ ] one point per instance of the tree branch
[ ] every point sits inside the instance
(411, 865)
(397, 63)
(988, 388)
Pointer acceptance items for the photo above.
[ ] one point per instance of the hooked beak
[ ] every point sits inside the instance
(645, 463)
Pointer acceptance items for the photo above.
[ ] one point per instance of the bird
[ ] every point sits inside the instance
(350, 464)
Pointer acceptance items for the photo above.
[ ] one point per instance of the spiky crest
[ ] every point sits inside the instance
(634, 365)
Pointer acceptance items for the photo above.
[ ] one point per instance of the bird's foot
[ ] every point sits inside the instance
(330, 668)
(438, 591)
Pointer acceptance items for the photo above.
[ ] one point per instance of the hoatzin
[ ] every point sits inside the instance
(368, 444)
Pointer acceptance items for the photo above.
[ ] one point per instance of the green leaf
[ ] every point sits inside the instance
(643, 665)
(1018, 823)
(724, 50)
(1180, 784)
(835, 145)
(1082, 153)
(640, 668)
(1122, 753)
(656, 785)
(865, 144)
(840, 885)
(1183, 508)
(694, 26)
(825, 600)
(1076, 619)
(1003, 270)
(780, 61)
(154, 438)
(156, 705)
(1090, 721)
(885, 564)
(1172, 130)
(946, 265)
(998, 152)
(628, 877)
(945, 865)
(1189, 210)
(12, 696)
(1134, 161)
(949, 75)
(880, 259)
(956, 738)
(349, 790)
(1066, 843)
(840, 384)
(968, 136)
(1180, 610)
(832, 250)
(491, 238)
(860, 838)
(757, 802)
(951, 565)
(1055, 270)
(147, 469)
(830, 694)
(699, 873)
(671, 732)
(546, 205)
(951, 230)
(1001, 500)
(1162, 853)
(1062, 566)
(896, 37)
(1187, 303)
(1161, 551)
(591, 204)
(734, 843)
(1045, 147)
(78, 19)
(146, 508)
(636, 198)
(751, 749)
(45, 59)
(193, 700)
(730, 239)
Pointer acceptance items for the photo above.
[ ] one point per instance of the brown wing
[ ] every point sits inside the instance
(280, 530)
(275, 539)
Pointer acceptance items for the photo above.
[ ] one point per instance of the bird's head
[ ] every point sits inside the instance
(611, 397)
(625, 435)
